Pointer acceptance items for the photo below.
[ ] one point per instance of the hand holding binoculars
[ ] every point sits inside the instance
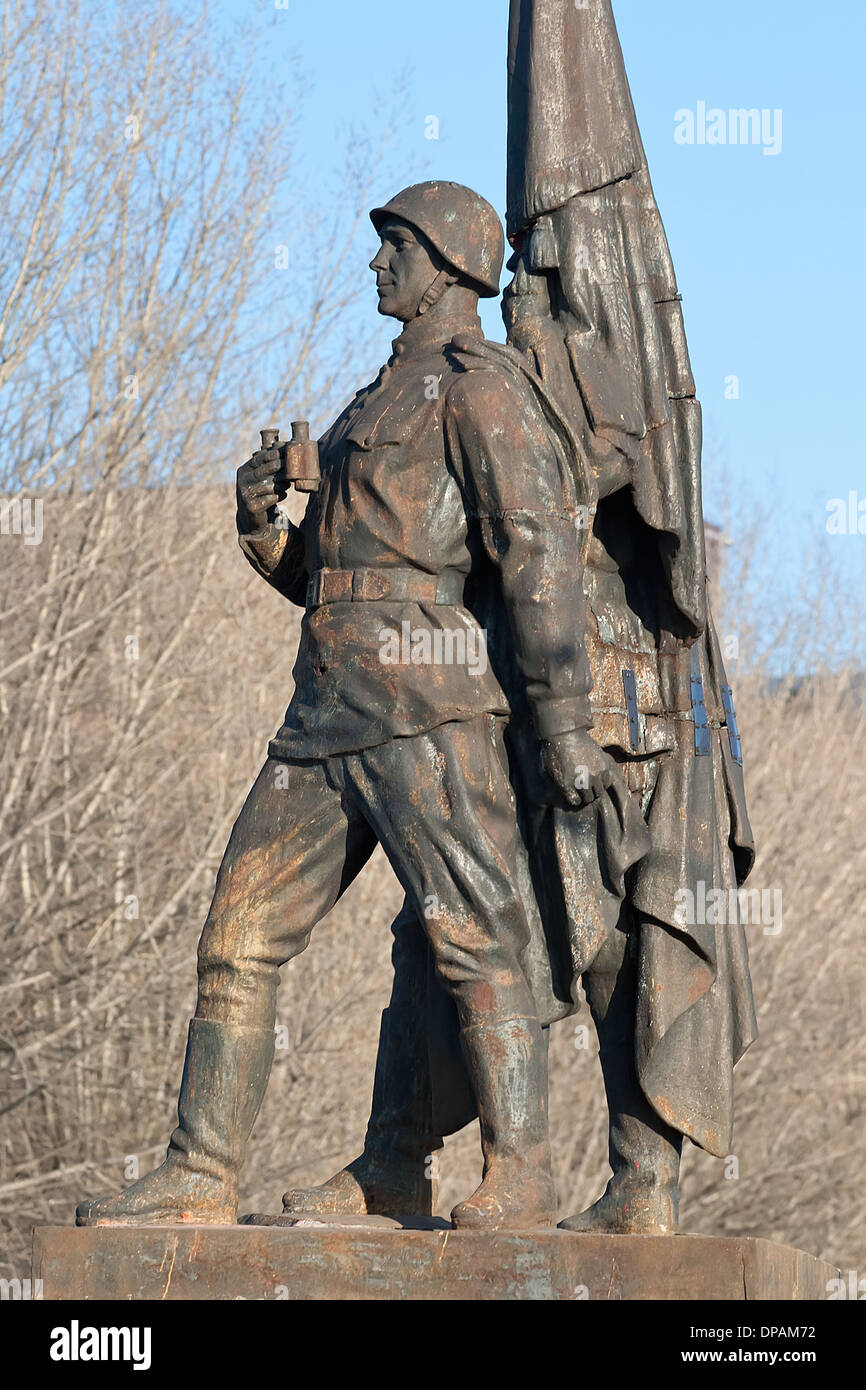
(299, 456)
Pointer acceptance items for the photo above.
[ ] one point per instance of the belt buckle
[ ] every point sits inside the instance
(369, 584)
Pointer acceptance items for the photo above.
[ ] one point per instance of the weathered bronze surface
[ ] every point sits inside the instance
(508, 677)
(594, 308)
(299, 456)
(306, 1263)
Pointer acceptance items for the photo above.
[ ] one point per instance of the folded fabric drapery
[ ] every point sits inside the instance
(594, 306)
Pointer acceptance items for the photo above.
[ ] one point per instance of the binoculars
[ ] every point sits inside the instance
(299, 456)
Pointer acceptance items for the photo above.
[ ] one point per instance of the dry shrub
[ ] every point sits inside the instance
(147, 329)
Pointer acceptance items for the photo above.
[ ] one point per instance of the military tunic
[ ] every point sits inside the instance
(445, 501)
(450, 473)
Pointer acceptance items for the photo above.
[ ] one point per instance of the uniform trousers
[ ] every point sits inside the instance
(441, 805)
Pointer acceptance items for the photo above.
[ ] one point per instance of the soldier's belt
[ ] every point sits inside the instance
(399, 585)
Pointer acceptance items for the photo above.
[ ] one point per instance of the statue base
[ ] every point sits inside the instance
(376, 1259)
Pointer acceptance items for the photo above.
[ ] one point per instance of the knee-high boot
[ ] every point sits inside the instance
(507, 1062)
(395, 1174)
(224, 1079)
(643, 1195)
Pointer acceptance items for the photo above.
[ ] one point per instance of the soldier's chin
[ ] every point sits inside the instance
(388, 305)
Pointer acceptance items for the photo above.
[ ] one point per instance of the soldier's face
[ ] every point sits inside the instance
(405, 266)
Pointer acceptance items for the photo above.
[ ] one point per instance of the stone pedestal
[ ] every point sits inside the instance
(368, 1260)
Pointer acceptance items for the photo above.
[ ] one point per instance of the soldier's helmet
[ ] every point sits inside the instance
(462, 225)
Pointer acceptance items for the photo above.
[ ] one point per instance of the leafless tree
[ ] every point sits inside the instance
(168, 277)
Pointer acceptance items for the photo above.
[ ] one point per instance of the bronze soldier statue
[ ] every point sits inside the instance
(594, 309)
(545, 807)
(447, 513)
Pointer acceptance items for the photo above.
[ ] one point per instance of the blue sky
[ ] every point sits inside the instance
(766, 248)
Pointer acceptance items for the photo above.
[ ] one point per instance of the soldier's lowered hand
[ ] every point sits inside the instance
(258, 489)
(579, 769)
